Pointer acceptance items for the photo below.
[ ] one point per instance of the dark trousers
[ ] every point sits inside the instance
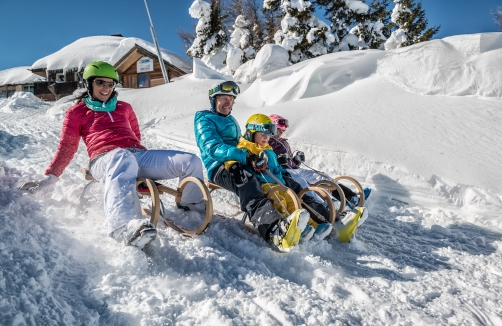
(346, 191)
(252, 200)
(310, 201)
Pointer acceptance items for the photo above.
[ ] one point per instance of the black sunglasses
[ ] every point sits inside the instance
(102, 83)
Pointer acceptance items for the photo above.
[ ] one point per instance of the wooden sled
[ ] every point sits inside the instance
(147, 187)
(297, 199)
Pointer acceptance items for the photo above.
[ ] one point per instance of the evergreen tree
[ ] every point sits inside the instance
(210, 35)
(273, 17)
(256, 19)
(344, 15)
(302, 34)
(239, 49)
(372, 29)
(497, 15)
(411, 23)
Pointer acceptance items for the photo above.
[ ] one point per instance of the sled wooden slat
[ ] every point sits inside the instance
(289, 192)
(358, 186)
(209, 207)
(329, 186)
(154, 194)
(333, 213)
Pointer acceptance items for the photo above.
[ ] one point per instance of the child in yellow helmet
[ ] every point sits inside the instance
(261, 157)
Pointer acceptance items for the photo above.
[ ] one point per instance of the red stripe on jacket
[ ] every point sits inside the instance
(100, 131)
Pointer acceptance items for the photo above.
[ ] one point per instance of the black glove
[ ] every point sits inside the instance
(239, 175)
(282, 159)
(259, 163)
(299, 158)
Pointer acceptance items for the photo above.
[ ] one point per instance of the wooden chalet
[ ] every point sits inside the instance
(140, 68)
(8, 90)
(59, 83)
(20, 80)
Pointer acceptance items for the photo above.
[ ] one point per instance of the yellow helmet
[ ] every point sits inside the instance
(259, 122)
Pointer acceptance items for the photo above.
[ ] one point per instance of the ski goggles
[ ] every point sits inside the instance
(102, 83)
(284, 123)
(268, 128)
(225, 87)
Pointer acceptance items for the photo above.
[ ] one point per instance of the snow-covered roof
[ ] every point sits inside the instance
(78, 54)
(128, 43)
(18, 76)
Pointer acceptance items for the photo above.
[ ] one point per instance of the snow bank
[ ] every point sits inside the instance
(203, 71)
(271, 57)
(460, 65)
(18, 76)
(456, 66)
(315, 77)
(21, 100)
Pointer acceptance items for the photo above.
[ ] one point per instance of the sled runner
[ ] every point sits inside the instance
(147, 187)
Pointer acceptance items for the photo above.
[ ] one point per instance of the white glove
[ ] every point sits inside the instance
(35, 186)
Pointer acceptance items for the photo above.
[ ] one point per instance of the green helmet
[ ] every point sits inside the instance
(100, 69)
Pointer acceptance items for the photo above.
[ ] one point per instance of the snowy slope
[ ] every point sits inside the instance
(435, 260)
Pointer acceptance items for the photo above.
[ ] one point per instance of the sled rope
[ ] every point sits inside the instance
(279, 183)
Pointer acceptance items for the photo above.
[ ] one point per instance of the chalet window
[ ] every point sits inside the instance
(77, 77)
(60, 78)
(28, 88)
(2, 94)
(143, 80)
(10, 93)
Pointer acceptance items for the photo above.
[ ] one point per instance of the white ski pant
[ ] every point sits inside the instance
(306, 178)
(119, 169)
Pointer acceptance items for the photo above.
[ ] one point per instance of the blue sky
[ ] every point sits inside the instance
(33, 29)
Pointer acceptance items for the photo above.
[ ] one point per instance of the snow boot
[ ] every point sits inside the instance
(287, 232)
(307, 233)
(346, 226)
(137, 233)
(322, 231)
(355, 199)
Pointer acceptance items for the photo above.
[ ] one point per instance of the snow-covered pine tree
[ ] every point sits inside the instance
(210, 36)
(273, 16)
(302, 34)
(343, 14)
(240, 38)
(254, 15)
(372, 27)
(239, 49)
(497, 16)
(411, 23)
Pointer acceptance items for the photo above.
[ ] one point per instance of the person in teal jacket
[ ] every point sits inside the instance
(217, 134)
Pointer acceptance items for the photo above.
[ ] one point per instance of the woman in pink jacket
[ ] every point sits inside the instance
(110, 131)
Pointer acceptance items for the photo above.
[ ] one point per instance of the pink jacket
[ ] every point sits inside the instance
(100, 131)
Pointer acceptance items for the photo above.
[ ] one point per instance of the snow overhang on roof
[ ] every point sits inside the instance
(18, 76)
(111, 49)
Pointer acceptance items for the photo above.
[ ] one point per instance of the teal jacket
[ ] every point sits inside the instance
(217, 137)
